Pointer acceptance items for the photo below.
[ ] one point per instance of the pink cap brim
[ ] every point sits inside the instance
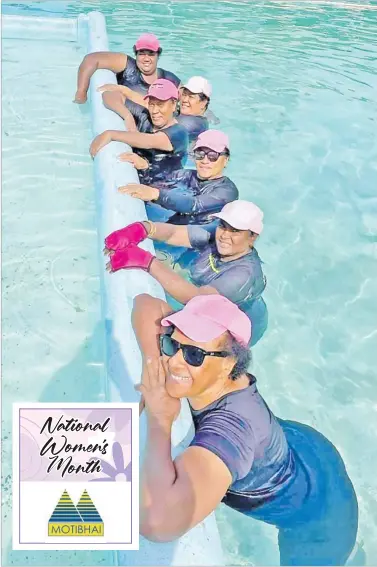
(211, 146)
(194, 327)
(160, 97)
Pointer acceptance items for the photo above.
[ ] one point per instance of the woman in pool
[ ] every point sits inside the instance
(190, 196)
(194, 99)
(227, 262)
(160, 147)
(281, 472)
(135, 73)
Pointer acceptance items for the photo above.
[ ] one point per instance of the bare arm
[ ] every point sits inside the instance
(114, 101)
(178, 495)
(171, 234)
(158, 141)
(147, 313)
(134, 96)
(177, 286)
(175, 495)
(125, 92)
(115, 62)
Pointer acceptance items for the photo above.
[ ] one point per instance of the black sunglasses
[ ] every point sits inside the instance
(194, 356)
(213, 156)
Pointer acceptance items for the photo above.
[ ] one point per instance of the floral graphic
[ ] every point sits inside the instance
(119, 473)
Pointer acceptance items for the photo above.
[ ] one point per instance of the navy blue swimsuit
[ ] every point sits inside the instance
(132, 77)
(241, 280)
(283, 473)
(162, 163)
(187, 199)
(194, 125)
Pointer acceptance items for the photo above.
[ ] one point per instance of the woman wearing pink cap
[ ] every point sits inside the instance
(137, 74)
(281, 472)
(190, 196)
(160, 147)
(225, 262)
(191, 113)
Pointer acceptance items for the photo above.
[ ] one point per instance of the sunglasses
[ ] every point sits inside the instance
(211, 154)
(194, 356)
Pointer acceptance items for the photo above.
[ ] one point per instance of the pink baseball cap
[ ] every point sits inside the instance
(147, 41)
(213, 139)
(206, 317)
(243, 215)
(163, 90)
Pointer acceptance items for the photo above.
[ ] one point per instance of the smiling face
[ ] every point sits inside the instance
(231, 242)
(208, 169)
(186, 381)
(146, 61)
(161, 111)
(192, 104)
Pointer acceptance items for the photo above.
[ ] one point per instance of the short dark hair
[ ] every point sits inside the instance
(241, 353)
(203, 97)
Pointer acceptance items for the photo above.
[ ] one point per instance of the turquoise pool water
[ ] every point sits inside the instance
(295, 88)
(52, 329)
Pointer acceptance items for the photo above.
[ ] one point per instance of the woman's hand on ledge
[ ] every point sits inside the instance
(99, 142)
(137, 161)
(140, 191)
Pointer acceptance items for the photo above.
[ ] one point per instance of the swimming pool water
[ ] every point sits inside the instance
(52, 329)
(295, 88)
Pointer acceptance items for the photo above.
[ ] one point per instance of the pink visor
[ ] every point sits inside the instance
(206, 317)
(147, 41)
(162, 89)
(214, 140)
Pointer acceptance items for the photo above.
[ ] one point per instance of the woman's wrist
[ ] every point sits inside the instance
(150, 227)
(159, 424)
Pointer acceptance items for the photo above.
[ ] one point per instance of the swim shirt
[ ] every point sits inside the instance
(194, 125)
(242, 431)
(283, 472)
(132, 77)
(241, 280)
(162, 163)
(194, 199)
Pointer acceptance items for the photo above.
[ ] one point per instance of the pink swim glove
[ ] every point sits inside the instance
(131, 257)
(132, 234)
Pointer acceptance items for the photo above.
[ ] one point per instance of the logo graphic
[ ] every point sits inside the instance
(75, 476)
(70, 520)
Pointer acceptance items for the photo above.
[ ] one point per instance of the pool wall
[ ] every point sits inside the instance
(123, 360)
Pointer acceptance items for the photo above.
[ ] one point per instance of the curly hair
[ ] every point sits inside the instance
(241, 353)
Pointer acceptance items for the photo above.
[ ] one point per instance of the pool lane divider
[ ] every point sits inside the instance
(202, 545)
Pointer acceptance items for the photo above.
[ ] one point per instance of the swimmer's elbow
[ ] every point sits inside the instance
(154, 535)
(142, 298)
(90, 61)
(156, 531)
(142, 301)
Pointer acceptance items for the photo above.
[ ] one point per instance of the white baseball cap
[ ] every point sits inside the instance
(199, 85)
(243, 215)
